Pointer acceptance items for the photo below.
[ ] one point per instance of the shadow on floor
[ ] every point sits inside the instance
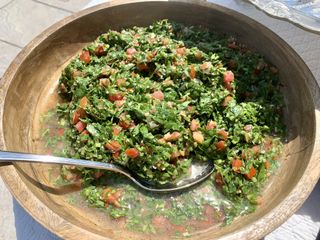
(311, 205)
(27, 228)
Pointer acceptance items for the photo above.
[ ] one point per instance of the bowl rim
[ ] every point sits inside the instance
(66, 229)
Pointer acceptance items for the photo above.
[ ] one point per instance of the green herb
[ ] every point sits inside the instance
(154, 99)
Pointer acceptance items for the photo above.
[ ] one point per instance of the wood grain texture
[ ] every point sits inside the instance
(36, 69)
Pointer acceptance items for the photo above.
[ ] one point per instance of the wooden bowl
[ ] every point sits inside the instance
(31, 78)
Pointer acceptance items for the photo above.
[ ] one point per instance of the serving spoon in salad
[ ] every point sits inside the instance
(199, 171)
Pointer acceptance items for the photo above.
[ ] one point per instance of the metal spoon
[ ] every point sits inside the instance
(199, 171)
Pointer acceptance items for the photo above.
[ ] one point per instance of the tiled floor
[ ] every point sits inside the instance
(22, 20)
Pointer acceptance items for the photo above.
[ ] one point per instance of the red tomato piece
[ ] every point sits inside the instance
(85, 57)
(192, 72)
(211, 125)
(142, 67)
(194, 125)
(266, 165)
(115, 155)
(220, 146)
(80, 126)
(79, 113)
(131, 51)
(99, 51)
(116, 130)
(181, 51)
(226, 101)
(132, 153)
(256, 149)
(223, 134)
(85, 132)
(251, 173)
(158, 95)
(236, 164)
(60, 131)
(83, 102)
(121, 82)
(115, 97)
(228, 77)
(113, 146)
(198, 136)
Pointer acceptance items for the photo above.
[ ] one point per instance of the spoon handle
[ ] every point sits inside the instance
(11, 157)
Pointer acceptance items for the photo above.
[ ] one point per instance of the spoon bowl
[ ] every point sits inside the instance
(199, 171)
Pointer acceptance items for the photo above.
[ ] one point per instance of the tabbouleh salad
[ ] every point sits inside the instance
(154, 99)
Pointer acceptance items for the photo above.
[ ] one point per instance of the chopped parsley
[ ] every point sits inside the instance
(154, 99)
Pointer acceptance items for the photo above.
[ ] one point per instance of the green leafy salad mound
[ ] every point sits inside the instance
(154, 99)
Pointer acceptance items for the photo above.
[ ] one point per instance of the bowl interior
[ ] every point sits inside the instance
(32, 87)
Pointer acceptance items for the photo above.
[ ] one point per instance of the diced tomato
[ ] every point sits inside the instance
(256, 149)
(116, 130)
(211, 125)
(220, 146)
(75, 118)
(223, 134)
(104, 82)
(85, 56)
(205, 66)
(228, 86)
(175, 155)
(112, 199)
(158, 95)
(228, 76)
(251, 173)
(115, 155)
(125, 124)
(236, 164)
(226, 101)
(161, 222)
(85, 132)
(83, 102)
(181, 51)
(80, 126)
(99, 51)
(113, 146)
(266, 165)
(218, 179)
(115, 97)
(194, 125)
(150, 55)
(79, 113)
(192, 72)
(198, 136)
(142, 67)
(165, 41)
(178, 228)
(60, 131)
(267, 144)
(119, 103)
(121, 82)
(132, 153)
(171, 136)
(131, 51)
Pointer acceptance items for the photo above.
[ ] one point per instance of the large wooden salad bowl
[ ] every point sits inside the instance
(29, 80)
